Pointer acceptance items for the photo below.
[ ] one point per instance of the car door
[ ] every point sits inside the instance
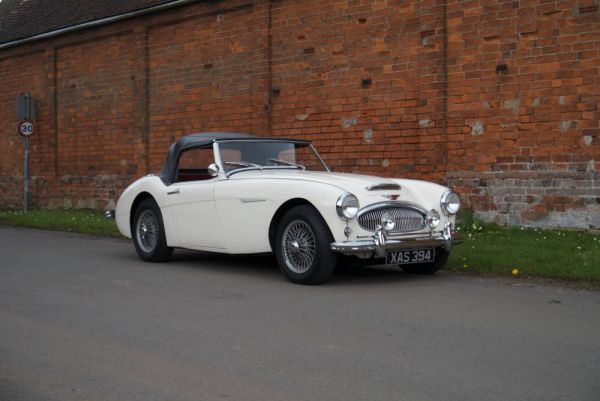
(190, 201)
(246, 207)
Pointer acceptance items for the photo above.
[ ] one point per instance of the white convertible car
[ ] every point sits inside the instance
(242, 194)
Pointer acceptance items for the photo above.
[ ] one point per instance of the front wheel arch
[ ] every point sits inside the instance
(282, 210)
(136, 202)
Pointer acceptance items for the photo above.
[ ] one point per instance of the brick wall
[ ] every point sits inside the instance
(361, 80)
(207, 73)
(24, 70)
(496, 98)
(523, 118)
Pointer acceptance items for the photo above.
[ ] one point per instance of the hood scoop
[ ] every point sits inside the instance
(386, 186)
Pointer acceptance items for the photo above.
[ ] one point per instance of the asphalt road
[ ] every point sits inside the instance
(81, 318)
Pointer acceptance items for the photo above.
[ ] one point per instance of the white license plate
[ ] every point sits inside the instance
(410, 256)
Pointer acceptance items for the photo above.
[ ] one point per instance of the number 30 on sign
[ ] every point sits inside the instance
(26, 128)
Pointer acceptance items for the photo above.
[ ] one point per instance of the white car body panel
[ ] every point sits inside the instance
(190, 206)
(248, 201)
(153, 186)
(233, 215)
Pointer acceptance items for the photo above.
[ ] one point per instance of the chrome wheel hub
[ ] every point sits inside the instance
(299, 246)
(146, 231)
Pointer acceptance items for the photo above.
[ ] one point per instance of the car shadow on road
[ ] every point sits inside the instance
(351, 273)
(265, 266)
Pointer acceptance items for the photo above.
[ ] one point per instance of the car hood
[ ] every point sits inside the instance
(423, 193)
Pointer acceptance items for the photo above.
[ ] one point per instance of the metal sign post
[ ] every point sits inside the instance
(25, 114)
(26, 174)
(26, 129)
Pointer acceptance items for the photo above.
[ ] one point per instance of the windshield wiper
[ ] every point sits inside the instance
(286, 163)
(242, 164)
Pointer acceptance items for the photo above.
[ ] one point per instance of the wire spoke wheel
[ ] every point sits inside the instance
(147, 231)
(299, 246)
(302, 246)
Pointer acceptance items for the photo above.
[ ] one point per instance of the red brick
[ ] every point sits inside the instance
(112, 99)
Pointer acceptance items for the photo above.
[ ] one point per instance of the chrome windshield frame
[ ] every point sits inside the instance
(219, 161)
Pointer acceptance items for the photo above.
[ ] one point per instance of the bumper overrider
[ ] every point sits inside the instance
(379, 244)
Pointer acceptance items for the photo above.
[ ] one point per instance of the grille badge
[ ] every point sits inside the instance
(391, 197)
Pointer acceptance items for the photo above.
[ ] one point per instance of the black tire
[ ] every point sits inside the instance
(429, 268)
(148, 233)
(302, 245)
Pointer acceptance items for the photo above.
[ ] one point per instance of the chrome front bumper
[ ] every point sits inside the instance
(379, 244)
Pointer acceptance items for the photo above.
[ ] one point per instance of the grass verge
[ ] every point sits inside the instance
(487, 249)
(78, 221)
(527, 252)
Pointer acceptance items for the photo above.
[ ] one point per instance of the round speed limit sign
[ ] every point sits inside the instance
(26, 128)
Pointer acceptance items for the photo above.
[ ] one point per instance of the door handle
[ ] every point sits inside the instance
(173, 192)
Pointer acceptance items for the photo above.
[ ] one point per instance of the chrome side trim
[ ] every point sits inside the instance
(251, 200)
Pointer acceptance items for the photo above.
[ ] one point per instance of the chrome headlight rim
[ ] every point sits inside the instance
(347, 206)
(449, 198)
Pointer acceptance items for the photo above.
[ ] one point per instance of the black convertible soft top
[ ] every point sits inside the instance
(167, 172)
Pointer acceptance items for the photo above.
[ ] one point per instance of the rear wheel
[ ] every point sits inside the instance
(148, 233)
(302, 246)
(429, 268)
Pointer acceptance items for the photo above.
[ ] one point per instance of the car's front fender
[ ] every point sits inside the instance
(246, 208)
(146, 186)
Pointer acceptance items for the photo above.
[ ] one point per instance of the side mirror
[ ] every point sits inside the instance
(213, 170)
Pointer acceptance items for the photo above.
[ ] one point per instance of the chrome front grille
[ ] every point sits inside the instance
(407, 218)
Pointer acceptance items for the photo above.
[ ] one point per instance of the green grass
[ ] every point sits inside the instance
(487, 248)
(79, 221)
(549, 253)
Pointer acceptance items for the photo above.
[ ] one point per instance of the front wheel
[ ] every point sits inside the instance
(428, 268)
(148, 233)
(302, 246)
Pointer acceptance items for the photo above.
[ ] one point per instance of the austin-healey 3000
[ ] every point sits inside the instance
(241, 194)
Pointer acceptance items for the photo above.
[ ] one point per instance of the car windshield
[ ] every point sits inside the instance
(242, 155)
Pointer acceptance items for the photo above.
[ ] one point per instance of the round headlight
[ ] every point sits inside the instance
(387, 222)
(450, 203)
(347, 206)
(433, 219)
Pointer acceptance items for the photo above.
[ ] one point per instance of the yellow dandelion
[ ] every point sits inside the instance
(515, 272)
